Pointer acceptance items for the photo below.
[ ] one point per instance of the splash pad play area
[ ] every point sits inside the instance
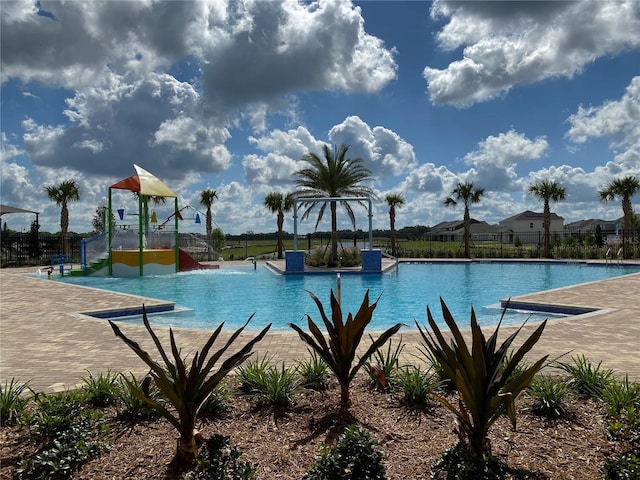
(137, 243)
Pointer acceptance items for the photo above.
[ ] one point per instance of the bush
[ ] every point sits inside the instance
(344, 338)
(622, 403)
(313, 372)
(66, 429)
(461, 463)
(487, 379)
(352, 458)
(417, 385)
(132, 406)
(102, 390)
(186, 386)
(585, 378)
(347, 257)
(61, 456)
(623, 467)
(219, 460)
(382, 372)
(12, 402)
(550, 396)
(251, 374)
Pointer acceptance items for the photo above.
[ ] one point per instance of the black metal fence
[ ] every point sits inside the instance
(23, 249)
(563, 245)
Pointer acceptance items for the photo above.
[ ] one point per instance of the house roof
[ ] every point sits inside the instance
(529, 215)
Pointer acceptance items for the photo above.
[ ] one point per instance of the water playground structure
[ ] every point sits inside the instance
(137, 243)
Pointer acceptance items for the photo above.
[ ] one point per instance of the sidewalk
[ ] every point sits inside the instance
(45, 339)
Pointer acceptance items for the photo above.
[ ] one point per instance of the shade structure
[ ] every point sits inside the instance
(145, 183)
(7, 209)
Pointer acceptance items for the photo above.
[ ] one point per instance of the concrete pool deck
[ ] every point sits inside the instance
(46, 339)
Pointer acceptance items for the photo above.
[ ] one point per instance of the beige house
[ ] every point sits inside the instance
(530, 222)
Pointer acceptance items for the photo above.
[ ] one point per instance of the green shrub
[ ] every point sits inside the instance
(216, 402)
(622, 403)
(12, 402)
(102, 390)
(313, 372)
(550, 396)
(61, 456)
(416, 385)
(58, 412)
(275, 385)
(485, 381)
(585, 378)
(66, 429)
(344, 338)
(219, 460)
(386, 363)
(461, 463)
(279, 385)
(251, 374)
(132, 406)
(347, 257)
(622, 467)
(185, 386)
(352, 458)
(444, 383)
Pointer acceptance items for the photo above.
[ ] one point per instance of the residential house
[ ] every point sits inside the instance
(529, 226)
(454, 231)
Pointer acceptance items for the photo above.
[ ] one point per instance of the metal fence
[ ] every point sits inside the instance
(563, 245)
(23, 249)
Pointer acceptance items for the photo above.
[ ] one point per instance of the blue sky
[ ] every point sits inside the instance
(231, 95)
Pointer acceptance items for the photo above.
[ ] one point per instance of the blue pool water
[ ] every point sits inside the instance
(233, 294)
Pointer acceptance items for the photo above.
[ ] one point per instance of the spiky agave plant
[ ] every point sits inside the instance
(486, 383)
(186, 388)
(344, 338)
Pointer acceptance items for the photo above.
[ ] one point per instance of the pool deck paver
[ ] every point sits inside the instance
(46, 339)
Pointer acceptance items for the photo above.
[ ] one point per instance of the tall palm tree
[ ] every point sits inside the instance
(67, 191)
(332, 177)
(623, 187)
(394, 200)
(547, 190)
(206, 199)
(279, 203)
(468, 193)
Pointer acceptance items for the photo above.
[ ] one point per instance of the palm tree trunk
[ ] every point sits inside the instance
(280, 225)
(392, 221)
(209, 232)
(64, 228)
(547, 227)
(467, 233)
(627, 210)
(334, 233)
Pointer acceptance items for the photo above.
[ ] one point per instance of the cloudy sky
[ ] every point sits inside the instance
(230, 95)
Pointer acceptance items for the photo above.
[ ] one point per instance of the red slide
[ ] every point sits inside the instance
(187, 263)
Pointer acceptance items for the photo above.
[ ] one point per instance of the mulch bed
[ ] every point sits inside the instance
(283, 443)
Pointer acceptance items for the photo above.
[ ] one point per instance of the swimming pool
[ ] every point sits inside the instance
(232, 294)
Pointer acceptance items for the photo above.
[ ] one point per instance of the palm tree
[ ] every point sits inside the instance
(279, 203)
(623, 187)
(468, 194)
(394, 200)
(67, 191)
(547, 190)
(206, 199)
(332, 177)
